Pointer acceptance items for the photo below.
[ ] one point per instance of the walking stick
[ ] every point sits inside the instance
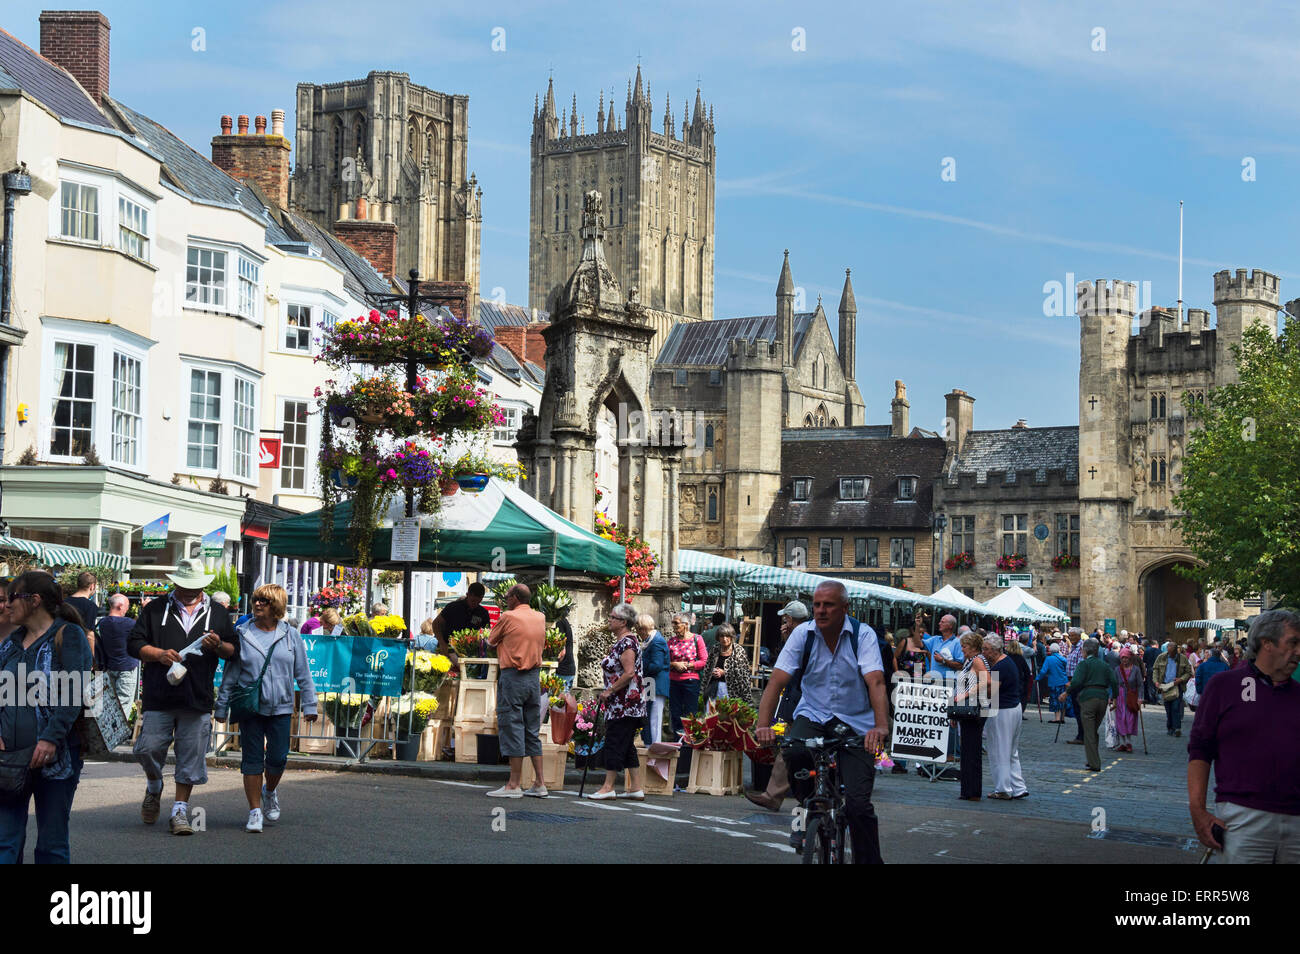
(1142, 724)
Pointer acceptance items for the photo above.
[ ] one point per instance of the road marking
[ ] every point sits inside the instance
(719, 819)
(772, 831)
(609, 808)
(660, 808)
(443, 781)
(679, 821)
(771, 844)
(726, 831)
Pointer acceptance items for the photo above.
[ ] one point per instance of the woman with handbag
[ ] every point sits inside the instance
(624, 705)
(1002, 733)
(972, 686)
(687, 656)
(654, 662)
(40, 751)
(1128, 706)
(257, 691)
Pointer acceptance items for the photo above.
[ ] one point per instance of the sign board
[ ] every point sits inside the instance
(268, 453)
(153, 536)
(1023, 580)
(214, 543)
(920, 720)
(406, 540)
(1110, 627)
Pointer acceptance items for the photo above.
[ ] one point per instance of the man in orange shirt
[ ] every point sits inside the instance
(519, 636)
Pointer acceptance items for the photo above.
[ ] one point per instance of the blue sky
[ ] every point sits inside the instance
(1068, 159)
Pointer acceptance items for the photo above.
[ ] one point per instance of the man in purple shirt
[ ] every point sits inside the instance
(1246, 727)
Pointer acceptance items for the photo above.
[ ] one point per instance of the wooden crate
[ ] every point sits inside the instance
(715, 773)
(447, 694)
(555, 759)
(651, 782)
(476, 699)
(467, 734)
(437, 736)
(322, 726)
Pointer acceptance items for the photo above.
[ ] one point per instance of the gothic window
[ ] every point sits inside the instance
(1158, 406)
(338, 144)
(825, 374)
(834, 422)
(413, 143)
(428, 146)
(713, 505)
(566, 201)
(708, 437)
(807, 420)
(362, 145)
(1159, 470)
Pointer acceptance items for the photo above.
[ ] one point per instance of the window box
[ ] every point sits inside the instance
(960, 561)
(1065, 561)
(1012, 561)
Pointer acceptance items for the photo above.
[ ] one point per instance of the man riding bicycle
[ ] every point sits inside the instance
(837, 687)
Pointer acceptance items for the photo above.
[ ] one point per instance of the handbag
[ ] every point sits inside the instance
(16, 774)
(246, 701)
(1131, 701)
(963, 711)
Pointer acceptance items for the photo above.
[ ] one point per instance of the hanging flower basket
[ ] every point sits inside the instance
(449, 486)
(344, 482)
(392, 339)
(472, 483)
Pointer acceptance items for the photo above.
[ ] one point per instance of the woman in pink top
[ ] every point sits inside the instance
(687, 657)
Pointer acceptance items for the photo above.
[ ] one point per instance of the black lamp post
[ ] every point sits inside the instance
(940, 521)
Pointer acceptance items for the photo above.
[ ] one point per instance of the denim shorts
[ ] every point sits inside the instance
(263, 744)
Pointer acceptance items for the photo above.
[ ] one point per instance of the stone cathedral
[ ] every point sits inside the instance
(403, 149)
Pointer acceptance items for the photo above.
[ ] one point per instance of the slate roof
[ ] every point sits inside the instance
(704, 343)
(883, 459)
(359, 276)
(1040, 449)
(493, 316)
(22, 68)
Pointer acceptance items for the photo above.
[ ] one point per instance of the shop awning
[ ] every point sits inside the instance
(52, 555)
(482, 531)
(1210, 624)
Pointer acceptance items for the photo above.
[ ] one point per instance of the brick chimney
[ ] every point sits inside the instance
(259, 158)
(454, 296)
(369, 231)
(77, 40)
(525, 342)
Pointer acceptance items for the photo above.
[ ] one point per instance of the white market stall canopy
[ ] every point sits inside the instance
(706, 570)
(1015, 603)
(52, 555)
(954, 597)
(1210, 624)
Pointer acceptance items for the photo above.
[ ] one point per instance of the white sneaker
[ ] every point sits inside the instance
(271, 806)
(254, 821)
(504, 792)
(537, 791)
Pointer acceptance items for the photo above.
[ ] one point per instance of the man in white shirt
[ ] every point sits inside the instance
(837, 688)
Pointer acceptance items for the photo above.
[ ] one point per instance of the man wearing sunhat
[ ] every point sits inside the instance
(177, 696)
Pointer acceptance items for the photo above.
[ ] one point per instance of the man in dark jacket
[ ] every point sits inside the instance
(177, 693)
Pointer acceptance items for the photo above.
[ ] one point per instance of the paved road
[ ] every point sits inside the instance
(332, 817)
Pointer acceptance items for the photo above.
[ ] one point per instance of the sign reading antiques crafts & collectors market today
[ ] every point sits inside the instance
(920, 720)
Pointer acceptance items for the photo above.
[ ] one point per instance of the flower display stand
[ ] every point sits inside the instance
(555, 759)
(467, 734)
(715, 773)
(312, 731)
(437, 736)
(476, 700)
(447, 694)
(652, 783)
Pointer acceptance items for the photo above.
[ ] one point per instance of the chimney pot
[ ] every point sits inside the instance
(277, 122)
(362, 208)
(226, 125)
(260, 125)
(243, 125)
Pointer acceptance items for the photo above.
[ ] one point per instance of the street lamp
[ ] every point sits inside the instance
(940, 522)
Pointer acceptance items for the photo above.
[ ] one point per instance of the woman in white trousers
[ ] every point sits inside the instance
(1002, 730)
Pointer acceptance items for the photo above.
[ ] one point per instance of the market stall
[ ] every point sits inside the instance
(1016, 604)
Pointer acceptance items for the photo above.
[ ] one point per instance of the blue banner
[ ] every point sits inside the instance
(214, 543)
(367, 665)
(153, 536)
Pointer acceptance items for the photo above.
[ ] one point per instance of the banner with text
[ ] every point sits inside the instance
(374, 666)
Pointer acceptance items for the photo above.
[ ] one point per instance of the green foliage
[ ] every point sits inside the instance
(552, 601)
(386, 580)
(226, 581)
(67, 578)
(1241, 475)
(499, 589)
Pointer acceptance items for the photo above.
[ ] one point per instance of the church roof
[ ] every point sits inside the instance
(1040, 449)
(22, 68)
(704, 343)
(827, 454)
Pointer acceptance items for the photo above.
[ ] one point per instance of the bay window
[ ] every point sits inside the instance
(205, 277)
(74, 399)
(132, 228)
(297, 328)
(245, 437)
(79, 212)
(203, 445)
(220, 428)
(293, 444)
(126, 410)
(213, 282)
(103, 209)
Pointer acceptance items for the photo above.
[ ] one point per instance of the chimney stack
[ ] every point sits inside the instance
(77, 40)
(370, 232)
(1020, 425)
(258, 158)
(899, 411)
(960, 410)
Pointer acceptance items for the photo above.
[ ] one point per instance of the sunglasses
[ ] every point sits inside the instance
(261, 599)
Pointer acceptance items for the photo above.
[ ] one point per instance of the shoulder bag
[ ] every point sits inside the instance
(246, 701)
(16, 774)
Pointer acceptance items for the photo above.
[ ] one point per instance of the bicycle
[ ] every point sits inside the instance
(825, 816)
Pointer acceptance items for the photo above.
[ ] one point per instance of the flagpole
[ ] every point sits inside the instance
(1180, 264)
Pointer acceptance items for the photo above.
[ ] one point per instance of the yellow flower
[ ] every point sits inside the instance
(778, 729)
(388, 624)
(425, 708)
(423, 661)
(441, 664)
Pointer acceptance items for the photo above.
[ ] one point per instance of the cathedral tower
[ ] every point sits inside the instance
(751, 473)
(1239, 302)
(404, 150)
(659, 210)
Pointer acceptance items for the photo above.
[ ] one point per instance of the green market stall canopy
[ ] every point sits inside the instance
(473, 531)
(53, 555)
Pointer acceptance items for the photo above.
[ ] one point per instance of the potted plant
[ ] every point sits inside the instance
(343, 709)
(473, 471)
(552, 601)
(588, 739)
(413, 712)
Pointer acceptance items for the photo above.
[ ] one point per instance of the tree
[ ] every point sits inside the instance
(1240, 493)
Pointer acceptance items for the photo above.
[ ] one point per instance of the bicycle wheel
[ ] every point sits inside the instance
(817, 841)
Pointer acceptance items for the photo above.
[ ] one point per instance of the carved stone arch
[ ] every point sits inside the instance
(414, 142)
(612, 391)
(807, 420)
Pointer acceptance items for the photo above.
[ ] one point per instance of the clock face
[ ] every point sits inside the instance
(1040, 532)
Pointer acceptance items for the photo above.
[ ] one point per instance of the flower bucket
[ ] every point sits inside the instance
(408, 748)
(472, 483)
(343, 481)
(449, 487)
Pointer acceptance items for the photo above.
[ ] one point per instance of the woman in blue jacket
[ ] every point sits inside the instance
(654, 666)
(1054, 673)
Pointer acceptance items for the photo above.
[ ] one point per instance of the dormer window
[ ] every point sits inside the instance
(802, 488)
(906, 488)
(854, 488)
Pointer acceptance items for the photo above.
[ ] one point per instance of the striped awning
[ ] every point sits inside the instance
(1207, 624)
(695, 566)
(52, 555)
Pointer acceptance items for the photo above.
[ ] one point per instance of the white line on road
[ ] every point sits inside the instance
(609, 808)
(679, 821)
(443, 781)
(726, 831)
(772, 844)
(773, 831)
(720, 820)
(660, 808)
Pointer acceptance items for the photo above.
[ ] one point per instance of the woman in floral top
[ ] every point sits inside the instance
(624, 704)
(687, 656)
